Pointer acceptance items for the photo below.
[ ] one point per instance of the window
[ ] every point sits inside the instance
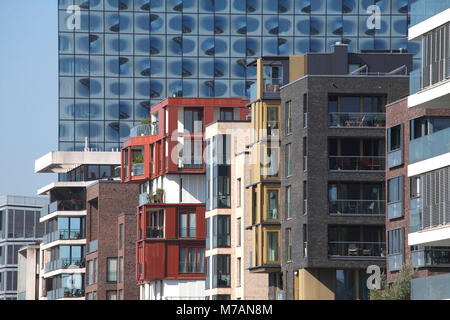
(288, 245)
(187, 225)
(271, 161)
(95, 270)
(239, 272)
(288, 203)
(288, 117)
(226, 114)
(288, 160)
(272, 204)
(221, 231)
(273, 78)
(120, 294)
(395, 241)
(121, 269)
(394, 138)
(221, 271)
(208, 233)
(305, 241)
(111, 269)
(272, 122)
(239, 195)
(395, 189)
(238, 232)
(414, 187)
(91, 272)
(121, 236)
(305, 154)
(111, 295)
(272, 246)
(193, 120)
(305, 197)
(192, 260)
(207, 274)
(305, 110)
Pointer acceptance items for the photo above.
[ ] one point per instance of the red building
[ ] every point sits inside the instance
(165, 157)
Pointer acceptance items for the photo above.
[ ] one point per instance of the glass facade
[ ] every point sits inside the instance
(423, 9)
(118, 57)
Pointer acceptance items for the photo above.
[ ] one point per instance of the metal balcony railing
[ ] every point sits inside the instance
(356, 249)
(357, 119)
(356, 207)
(140, 130)
(155, 232)
(63, 205)
(433, 257)
(64, 264)
(357, 163)
(137, 169)
(63, 234)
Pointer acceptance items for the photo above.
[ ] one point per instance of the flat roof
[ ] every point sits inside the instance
(11, 200)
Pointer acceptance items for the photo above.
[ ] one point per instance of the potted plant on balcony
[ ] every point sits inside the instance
(137, 160)
(378, 121)
(159, 194)
(145, 121)
(66, 292)
(180, 159)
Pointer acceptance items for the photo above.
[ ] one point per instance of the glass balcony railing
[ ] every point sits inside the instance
(273, 129)
(414, 81)
(429, 146)
(358, 120)
(356, 163)
(415, 212)
(143, 198)
(137, 169)
(63, 234)
(141, 130)
(65, 293)
(253, 92)
(187, 232)
(356, 207)
(431, 288)
(63, 205)
(272, 86)
(395, 210)
(394, 158)
(223, 201)
(434, 257)
(395, 262)
(64, 264)
(155, 232)
(355, 249)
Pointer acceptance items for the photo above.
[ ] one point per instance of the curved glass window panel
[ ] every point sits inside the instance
(189, 24)
(285, 46)
(111, 109)
(382, 43)
(157, 46)
(237, 88)
(141, 67)
(111, 131)
(385, 27)
(271, 25)
(66, 130)
(253, 6)
(285, 26)
(125, 110)
(126, 44)
(66, 111)
(142, 89)
(119, 4)
(84, 22)
(302, 25)
(112, 65)
(238, 68)
(174, 5)
(222, 47)
(124, 130)
(221, 68)
(253, 47)
(96, 110)
(251, 72)
(96, 88)
(82, 87)
(126, 22)
(331, 42)
(81, 130)
(95, 4)
(318, 6)
(66, 146)
(66, 87)
(95, 44)
(96, 131)
(96, 21)
(141, 22)
(174, 67)
(66, 65)
(400, 6)
(206, 87)
(206, 24)
(221, 88)
(303, 6)
(141, 109)
(414, 48)
(317, 26)
(174, 45)
(97, 66)
(174, 22)
(364, 31)
(82, 109)
(82, 43)
(285, 6)
(334, 6)
(352, 44)
(350, 6)
(126, 66)
(270, 6)
(350, 26)
(126, 88)
(79, 146)
(66, 21)
(113, 147)
(112, 43)
(157, 23)
(213, 6)
(146, 5)
(157, 67)
(221, 25)
(112, 22)
(174, 88)
(207, 46)
(190, 88)
(317, 45)
(335, 26)
(190, 6)
(253, 25)
(366, 44)
(189, 68)
(66, 43)
(238, 46)
(384, 5)
(141, 45)
(206, 67)
(82, 65)
(248, 86)
(238, 6)
(270, 46)
(63, 4)
(399, 26)
(157, 89)
(112, 88)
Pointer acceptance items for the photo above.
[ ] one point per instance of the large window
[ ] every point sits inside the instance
(288, 160)
(193, 120)
(226, 114)
(272, 204)
(288, 203)
(395, 197)
(435, 52)
(111, 269)
(288, 117)
(187, 225)
(121, 236)
(356, 198)
(395, 241)
(221, 231)
(272, 122)
(288, 245)
(273, 78)
(192, 260)
(121, 269)
(208, 233)
(221, 271)
(394, 138)
(272, 246)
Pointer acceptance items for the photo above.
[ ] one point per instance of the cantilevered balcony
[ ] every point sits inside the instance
(357, 120)
(431, 257)
(359, 250)
(356, 207)
(63, 205)
(357, 163)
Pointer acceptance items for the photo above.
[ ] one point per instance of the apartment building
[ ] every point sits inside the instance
(332, 160)
(428, 165)
(28, 272)
(166, 159)
(19, 227)
(227, 240)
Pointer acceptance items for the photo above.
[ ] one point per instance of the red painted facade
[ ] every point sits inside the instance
(160, 245)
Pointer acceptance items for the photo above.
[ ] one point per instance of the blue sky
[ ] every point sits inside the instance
(28, 92)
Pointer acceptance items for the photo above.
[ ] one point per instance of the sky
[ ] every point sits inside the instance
(28, 92)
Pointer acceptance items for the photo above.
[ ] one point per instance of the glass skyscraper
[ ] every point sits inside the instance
(118, 57)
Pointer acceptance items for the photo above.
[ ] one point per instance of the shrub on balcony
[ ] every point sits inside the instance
(138, 159)
(145, 121)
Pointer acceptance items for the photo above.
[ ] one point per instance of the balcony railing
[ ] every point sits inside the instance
(155, 232)
(431, 288)
(430, 258)
(358, 120)
(63, 234)
(273, 129)
(140, 130)
(356, 163)
(64, 264)
(395, 210)
(356, 207)
(272, 85)
(137, 169)
(63, 205)
(429, 146)
(65, 293)
(395, 262)
(187, 232)
(356, 249)
(253, 92)
(394, 158)
(415, 211)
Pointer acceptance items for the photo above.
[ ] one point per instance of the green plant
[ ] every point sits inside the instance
(400, 289)
(145, 121)
(138, 159)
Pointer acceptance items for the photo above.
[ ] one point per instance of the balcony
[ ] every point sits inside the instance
(63, 205)
(356, 163)
(360, 250)
(356, 207)
(429, 146)
(357, 120)
(155, 232)
(434, 257)
(394, 158)
(272, 88)
(431, 288)
(395, 262)
(395, 210)
(65, 293)
(141, 130)
(63, 234)
(64, 264)
(137, 169)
